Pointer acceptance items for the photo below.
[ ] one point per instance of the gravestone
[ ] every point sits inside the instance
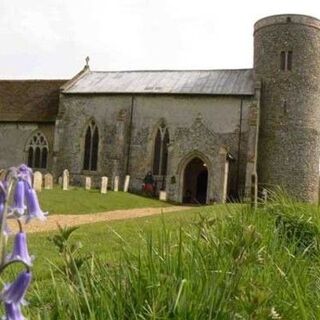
(37, 181)
(162, 195)
(48, 181)
(104, 185)
(126, 183)
(264, 194)
(60, 181)
(116, 183)
(65, 180)
(88, 183)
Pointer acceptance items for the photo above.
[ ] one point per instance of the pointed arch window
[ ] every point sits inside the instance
(37, 149)
(160, 158)
(91, 147)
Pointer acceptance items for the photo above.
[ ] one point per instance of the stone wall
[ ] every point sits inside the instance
(111, 115)
(220, 128)
(127, 129)
(289, 139)
(14, 138)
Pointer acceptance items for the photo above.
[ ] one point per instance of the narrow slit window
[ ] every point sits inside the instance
(289, 60)
(91, 148)
(160, 156)
(286, 60)
(283, 60)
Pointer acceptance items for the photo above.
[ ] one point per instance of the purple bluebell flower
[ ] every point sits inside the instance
(19, 198)
(33, 206)
(3, 194)
(26, 173)
(15, 292)
(13, 312)
(20, 250)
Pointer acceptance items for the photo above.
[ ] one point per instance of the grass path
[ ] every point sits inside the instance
(74, 220)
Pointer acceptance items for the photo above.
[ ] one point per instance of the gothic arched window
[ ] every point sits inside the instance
(160, 157)
(91, 146)
(37, 148)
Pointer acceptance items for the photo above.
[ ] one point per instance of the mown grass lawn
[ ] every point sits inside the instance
(80, 201)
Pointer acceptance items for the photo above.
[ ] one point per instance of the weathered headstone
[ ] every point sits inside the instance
(37, 181)
(116, 183)
(104, 185)
(88, 183)
(65, 180)
(264, 194)
(60, 181)
(126, 183)
(162, 195)
(48, 181)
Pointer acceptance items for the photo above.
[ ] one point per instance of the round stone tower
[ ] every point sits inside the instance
(287, 63)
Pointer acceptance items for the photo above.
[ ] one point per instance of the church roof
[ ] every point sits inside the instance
(29, 100)
(206, 82)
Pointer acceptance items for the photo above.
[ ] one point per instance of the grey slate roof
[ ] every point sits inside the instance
(212, 82)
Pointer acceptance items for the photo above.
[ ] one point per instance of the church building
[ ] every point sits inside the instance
(206, 135)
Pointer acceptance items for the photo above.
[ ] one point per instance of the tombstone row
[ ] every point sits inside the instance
(38, 181)
(64, 181)
(104, 184)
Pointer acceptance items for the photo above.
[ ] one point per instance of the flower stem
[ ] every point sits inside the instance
(20, 225)
(7, 264)
(3, 237)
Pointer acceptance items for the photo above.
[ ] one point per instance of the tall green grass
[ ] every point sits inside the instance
(261, 264)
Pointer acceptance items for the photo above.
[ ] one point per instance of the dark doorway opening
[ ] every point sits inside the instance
(195, 182)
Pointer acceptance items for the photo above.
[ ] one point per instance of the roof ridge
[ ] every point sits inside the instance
(167, 70)
(32, 80)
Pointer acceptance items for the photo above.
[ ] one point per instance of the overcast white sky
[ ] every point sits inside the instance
(51, 38)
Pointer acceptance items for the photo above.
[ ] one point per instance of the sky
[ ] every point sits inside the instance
(50, 39)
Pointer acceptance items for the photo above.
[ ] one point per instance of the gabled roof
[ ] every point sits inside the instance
(207, 82)
(29, 100)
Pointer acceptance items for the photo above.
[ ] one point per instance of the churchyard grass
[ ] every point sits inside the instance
(102, 238)
(217, 262)
(80, 201)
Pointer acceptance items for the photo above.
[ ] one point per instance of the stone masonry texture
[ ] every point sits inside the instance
(290, 104)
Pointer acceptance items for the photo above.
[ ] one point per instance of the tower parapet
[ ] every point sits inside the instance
(287, 63)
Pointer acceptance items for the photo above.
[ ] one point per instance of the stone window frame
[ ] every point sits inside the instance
(160, 150)
(37, 149)
(91, 141)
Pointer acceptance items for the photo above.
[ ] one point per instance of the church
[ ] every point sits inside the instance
(206, 135)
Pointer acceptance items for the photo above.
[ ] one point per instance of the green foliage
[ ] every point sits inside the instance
(295, 222)
(230, 263)
(296, 229)
(72, 259)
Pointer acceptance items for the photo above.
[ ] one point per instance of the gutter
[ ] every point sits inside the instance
(239, 145)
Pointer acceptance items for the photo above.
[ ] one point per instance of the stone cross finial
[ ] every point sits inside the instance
(87, 62)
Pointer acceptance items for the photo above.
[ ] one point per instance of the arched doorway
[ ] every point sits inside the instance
(195, 182)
